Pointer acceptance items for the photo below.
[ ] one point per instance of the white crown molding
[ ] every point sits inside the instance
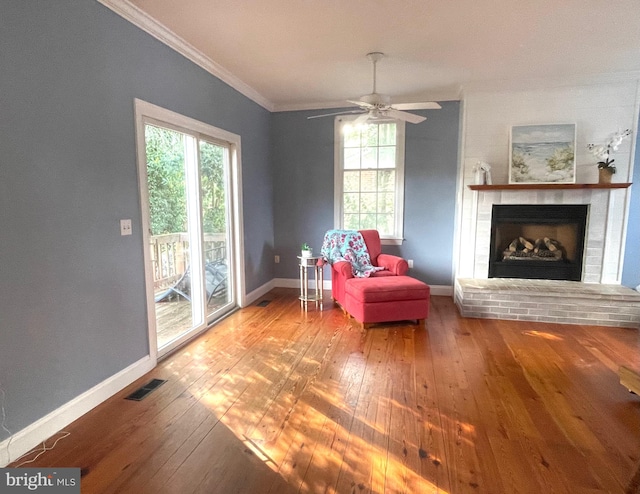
(141, 19)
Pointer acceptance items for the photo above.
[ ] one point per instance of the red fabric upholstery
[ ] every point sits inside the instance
(387, 295)
(341, 271)
(372, 239)
(391, 298)
(387, 289)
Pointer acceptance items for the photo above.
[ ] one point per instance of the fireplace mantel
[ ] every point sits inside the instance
(549, 186)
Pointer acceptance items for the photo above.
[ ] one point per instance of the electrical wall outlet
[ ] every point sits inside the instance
(410, 262)
(276, 259)
(125, 227)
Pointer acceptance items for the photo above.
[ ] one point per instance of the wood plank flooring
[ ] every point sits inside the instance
(275, 400)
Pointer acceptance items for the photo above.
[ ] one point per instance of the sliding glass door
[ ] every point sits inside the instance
(188, 200)
(216, 221)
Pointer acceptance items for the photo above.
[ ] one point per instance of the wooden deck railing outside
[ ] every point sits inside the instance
(170, 255)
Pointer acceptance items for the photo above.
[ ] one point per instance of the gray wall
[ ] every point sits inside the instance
(631, 270)
(303, 158)
(72, 300)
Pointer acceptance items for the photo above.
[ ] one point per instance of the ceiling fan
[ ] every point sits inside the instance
(376, 106)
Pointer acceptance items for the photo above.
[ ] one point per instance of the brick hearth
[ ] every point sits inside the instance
(566, 302)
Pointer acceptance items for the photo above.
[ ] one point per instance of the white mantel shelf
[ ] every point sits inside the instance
(549, 186)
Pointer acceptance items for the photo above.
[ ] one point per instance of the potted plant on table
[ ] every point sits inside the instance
(606, 168)
(307, 251)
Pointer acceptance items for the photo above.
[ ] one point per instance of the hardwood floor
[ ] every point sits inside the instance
(276, 400)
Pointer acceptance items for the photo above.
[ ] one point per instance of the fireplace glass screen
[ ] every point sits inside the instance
(538, 241)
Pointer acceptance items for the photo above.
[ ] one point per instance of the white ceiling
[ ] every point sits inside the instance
(302, 54)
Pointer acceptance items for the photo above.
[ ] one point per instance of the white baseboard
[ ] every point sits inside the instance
(295, 283)
(32, 435)
(442, 290)
(287, 283)
(258, 292)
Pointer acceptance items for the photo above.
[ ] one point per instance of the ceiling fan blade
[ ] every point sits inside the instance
(403, 115)
(361, 104)
(333, 114)
(426, 105)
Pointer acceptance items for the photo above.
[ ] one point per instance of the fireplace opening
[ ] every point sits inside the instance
(538, 241)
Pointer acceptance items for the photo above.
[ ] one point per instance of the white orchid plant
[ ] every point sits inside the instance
(603, 153)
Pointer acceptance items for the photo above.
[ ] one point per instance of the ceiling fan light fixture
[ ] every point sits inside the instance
(376, 99)
(377, 108)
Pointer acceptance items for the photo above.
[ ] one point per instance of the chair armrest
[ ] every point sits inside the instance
(343, 268)
(397, 265)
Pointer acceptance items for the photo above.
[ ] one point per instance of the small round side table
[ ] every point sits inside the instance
(314, 262)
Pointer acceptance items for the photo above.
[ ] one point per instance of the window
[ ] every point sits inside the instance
(369, 177)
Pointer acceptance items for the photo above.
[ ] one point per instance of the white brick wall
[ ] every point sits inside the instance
(598, 110)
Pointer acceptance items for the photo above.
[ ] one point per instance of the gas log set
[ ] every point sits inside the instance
(541, 249)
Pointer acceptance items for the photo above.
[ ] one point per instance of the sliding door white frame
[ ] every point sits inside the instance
(145, 112)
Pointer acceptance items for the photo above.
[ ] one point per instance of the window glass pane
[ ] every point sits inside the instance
(387, 180)
(351, 158)
(351, 136)
(351, 221)
(368, 202)
(368, 181)
(387, 134)
(370, 135)
(351, 182)
(369, 188)
(386, 202)
(387, 157)
(351, 202)
(368, 221)
(385, 224)
(369, 157)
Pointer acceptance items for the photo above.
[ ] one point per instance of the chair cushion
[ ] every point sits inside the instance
(379, 274)
(386, 289)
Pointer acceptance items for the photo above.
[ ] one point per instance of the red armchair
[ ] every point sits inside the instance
(341, 271)
(387, 295)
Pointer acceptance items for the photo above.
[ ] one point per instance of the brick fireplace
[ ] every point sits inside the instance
(594, 297)
(598, 108)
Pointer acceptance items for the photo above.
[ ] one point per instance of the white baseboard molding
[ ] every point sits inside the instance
(32, 435)
(442, 290)
(258, 292)
(287, 283)
(295, 283)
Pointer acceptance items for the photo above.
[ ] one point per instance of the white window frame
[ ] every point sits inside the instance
(398, 235)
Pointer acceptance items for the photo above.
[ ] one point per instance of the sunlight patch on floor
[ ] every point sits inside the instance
(542, 334)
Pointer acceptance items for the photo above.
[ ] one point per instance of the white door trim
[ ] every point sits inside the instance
(144, 110)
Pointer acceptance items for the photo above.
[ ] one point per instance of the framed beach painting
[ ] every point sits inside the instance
(542, 154)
